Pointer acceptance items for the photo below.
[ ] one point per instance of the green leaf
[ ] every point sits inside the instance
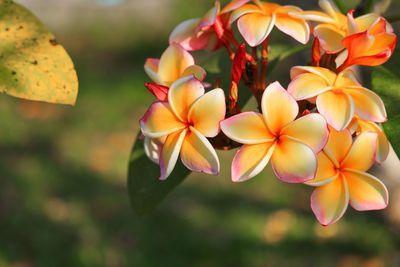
(33, 65)
(386, 82)
(146, 191)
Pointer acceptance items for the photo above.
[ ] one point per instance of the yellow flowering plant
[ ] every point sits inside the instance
(322, 130)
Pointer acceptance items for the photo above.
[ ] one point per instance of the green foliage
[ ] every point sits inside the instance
(145, 189)
(33, 65)
(386, 82)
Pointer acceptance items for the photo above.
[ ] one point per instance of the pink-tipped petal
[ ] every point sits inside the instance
(188, 37)
(294, 27)
(247, 128)
(329, 202)
(308, 85)
(366, 191)
(198, 155)
(326, 171)
(337, 107)
(159, 121)
(207, 112)
(170, 153)
(338, 145)
(368, 105)
(210, 17)
(293, 161)
(311, 130)
(250, 160)
(255, 27)
(233, 5)
(182, 94)
(361, 156)
(151, 69)
(279, 107)
(173, 63)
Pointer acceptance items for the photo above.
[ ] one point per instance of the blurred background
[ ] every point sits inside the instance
(63, 187)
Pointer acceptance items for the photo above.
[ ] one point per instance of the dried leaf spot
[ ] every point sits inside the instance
(53, 42)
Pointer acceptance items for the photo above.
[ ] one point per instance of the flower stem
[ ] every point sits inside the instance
(264, 64)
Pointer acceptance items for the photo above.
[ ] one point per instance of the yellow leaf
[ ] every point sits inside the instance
(33, 65)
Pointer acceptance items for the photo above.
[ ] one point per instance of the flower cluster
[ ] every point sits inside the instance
(322, 131)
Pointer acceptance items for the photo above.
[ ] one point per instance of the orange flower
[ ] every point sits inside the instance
(342, 177)
(174, 63)
(372, 47)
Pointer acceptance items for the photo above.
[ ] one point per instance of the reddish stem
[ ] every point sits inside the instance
(264, 64)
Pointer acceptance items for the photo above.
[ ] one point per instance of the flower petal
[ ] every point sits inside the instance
(296, 28)
(159, 121)
(207, 112)
(364, 22)
(329, 202)
(247, 128)
(361, 156)
(250, 160)
(152, 148)
(196, 71)
(368, 105)
(234, 4)
(307, 85)
(330, 37)
(170, 153)
(338, 145)
(243, 10)
(187, 36)
(173, 62)
(279, 107)
(369, 50)
(182, 94)
(198, 155)
(383, 146)
(326, 74)
(346, 78)
(366, 191)
(326, 171)
(255, 27)
(151, 69)
(312, 15)
(311, 130)
(293, 161)
(337, 107)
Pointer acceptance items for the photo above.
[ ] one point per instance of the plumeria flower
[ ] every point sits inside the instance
(372, 47)
(275, 135)
(366, 40)
(334, 26)
(338, 96)
(359, 126)
(342, 177)
(198, 34)
(174, 63)
(256, 21)
(185, 121)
